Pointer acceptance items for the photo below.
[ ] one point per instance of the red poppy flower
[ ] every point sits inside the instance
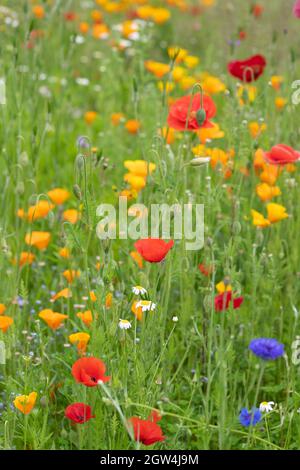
(153, 250)
(205, 270)
(147, 431)
(89, 371)
(222, 301)
(70, 16)
(184, 115)
(282, 155)
(79, 413)
(257, 10)
(247, 70)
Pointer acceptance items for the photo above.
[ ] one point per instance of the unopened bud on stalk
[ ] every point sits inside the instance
(77, 192)
(20, 187)
(24, 160)
(79, 161)
(199, 161)
(201, 116)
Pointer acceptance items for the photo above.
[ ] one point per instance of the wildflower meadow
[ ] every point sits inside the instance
(149, 225)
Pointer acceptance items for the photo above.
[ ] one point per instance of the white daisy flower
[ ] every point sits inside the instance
(124, 324)
(175, 319)
(146, 305)
(139, 290)
(266, 406)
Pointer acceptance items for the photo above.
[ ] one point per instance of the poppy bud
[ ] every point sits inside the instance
(236, 227)
(44, 402)
(20, 187)
(199, 161)
(77, 192)
(79, 161)
(24, 159)
(51, 219)
(201, 116)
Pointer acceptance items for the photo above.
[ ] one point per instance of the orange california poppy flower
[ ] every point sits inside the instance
(81, 340)
(71, 215)
(53, 319)
(25, 258)
(5, 323)
(25, 403)
(40, 210)
(276, 212)
(84, 27)
(157, 68)
(38, 11)
(64, 252)
(100, 31)
(137, 311)
(266, 192)
(270, 174)
(86, 317)
(139, 167)
(108, 300)
(71, 274)
(137, 258)
(2, 309)
(133, 126)
(116, 118)
(90, 117)
(65, 293)
(136, 182)
(59, 195)
(259, 220)
(38, 239)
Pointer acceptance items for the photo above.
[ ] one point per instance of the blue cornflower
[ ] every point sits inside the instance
(266, 348)
(250, 418)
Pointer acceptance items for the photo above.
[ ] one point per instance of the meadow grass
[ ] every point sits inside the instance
(198, 371)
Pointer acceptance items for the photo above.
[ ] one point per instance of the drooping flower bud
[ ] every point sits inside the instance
(201, 116)
(77, 191)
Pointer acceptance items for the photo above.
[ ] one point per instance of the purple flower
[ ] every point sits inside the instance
(266, 348)
(249, 418)
(296, 9)
(83, 142)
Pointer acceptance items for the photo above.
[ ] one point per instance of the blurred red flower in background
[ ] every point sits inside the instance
(257, 10)
(247, 70)
(282, 154)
